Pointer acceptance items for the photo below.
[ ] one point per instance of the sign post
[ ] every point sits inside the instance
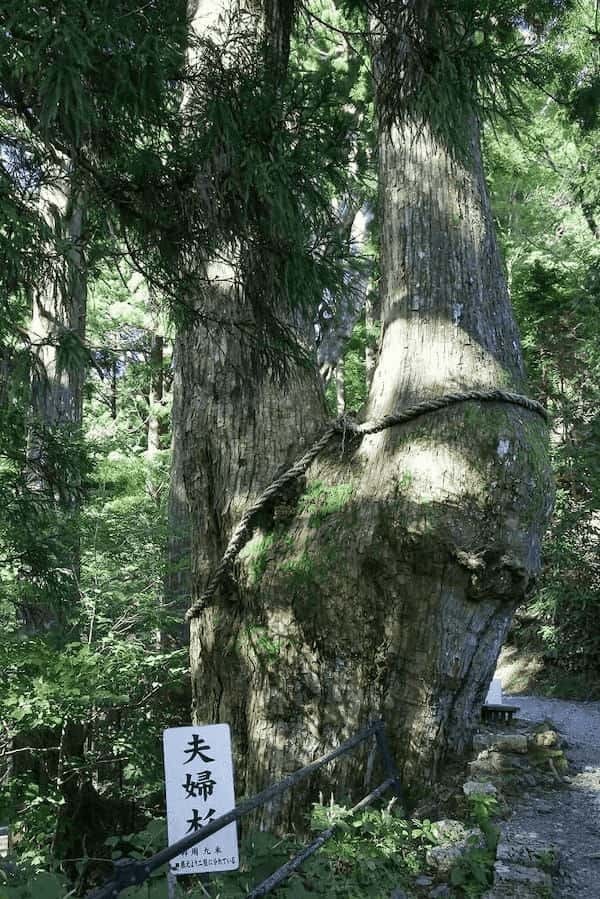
(199, 787)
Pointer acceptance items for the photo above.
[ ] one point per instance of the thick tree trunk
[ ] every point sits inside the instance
(208, 19)
(238, 432)
(155, 397)
(472, 484)
(388, 587)
(58, 369)
(59, 313)
(385, 585)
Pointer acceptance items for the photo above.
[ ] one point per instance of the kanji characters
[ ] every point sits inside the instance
(198, 750)
(201, 788)
(197, 821)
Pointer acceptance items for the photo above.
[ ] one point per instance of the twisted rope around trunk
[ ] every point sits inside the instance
(343, 425)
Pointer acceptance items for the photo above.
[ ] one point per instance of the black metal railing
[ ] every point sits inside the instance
(128, 872)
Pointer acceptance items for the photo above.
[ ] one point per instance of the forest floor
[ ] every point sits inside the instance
(568, 817)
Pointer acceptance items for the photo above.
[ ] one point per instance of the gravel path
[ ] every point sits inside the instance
(568, 818)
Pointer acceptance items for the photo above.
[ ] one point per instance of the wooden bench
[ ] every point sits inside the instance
(498, 712)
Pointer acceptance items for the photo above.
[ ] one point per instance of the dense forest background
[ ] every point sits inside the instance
(95, 161)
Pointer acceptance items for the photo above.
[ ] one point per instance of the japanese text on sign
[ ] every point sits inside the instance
(199, 786)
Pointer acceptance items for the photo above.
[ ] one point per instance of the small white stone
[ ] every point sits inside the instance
(457, 311)
(503, 447)
(479, 788)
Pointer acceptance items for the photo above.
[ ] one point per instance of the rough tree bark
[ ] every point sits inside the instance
(372, 320)
(155, 395)
(216, 292)
(59, 310)
(387, 586)
(178, 586)
(56, 334)
(58, 367)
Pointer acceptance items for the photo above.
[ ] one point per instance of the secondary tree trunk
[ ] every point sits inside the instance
(57, 333)
(387, 586)
(372, 319)
(155, 397)
(178, 585)
(58, 368)
(337, 330)
(191, 371)
(59, 312)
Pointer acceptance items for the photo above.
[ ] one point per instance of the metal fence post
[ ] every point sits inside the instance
(171, 884)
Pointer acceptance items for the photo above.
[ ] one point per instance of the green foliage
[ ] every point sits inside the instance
(122, 320)
(44, 885)
(355, 371)
(473, 873)
(257, 552)
(544, 185)
(22, 263)
(370, 855)
(322, 500)
(35, 533)
(482, 809)
(253, 159)
(91, 670)
(88, 73)
(256, 167)
(438, 66)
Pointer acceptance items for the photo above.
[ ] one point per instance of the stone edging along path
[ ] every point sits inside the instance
(564, 818)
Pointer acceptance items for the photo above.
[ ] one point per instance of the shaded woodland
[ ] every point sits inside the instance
(222, 227)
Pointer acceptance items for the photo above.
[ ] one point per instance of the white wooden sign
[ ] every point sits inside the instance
(199, 786)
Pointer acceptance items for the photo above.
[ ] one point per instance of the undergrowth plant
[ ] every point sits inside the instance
(473, 873)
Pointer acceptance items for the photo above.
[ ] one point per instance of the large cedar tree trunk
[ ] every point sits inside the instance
(156, 393)
(386, 584)
(59, 312)
(208, 20)
(58, 371)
